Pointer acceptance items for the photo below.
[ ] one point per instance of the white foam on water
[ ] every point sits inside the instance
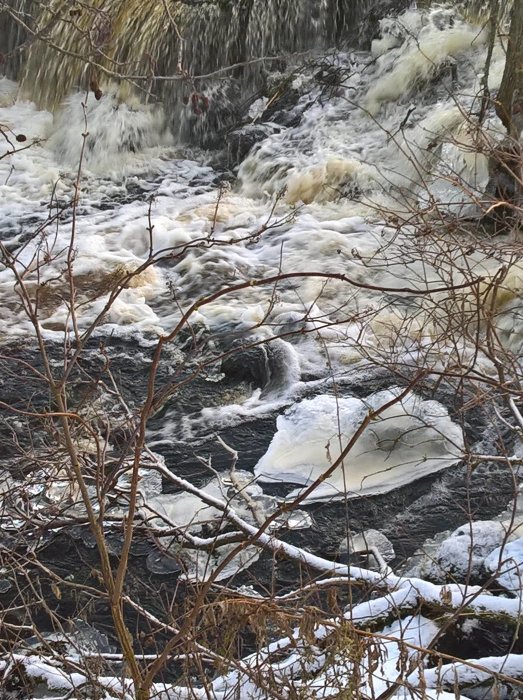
(338, 165)
(419, 60)
(343, 143)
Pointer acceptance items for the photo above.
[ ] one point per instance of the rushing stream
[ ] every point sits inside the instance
(320, 172)
(314, 198)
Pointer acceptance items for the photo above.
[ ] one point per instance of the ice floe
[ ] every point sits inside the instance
(402, 442)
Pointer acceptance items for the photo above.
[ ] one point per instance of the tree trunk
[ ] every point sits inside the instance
(505, 186)
(509, 104)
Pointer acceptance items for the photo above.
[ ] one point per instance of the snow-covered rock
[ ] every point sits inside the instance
(459, 555)
(471, 552)
(507, 562)
(462, 554)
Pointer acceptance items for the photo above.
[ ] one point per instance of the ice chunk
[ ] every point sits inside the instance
(408, 440)
(189, 513)
(379, 548)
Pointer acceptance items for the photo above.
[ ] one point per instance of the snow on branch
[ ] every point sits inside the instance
(507, 668)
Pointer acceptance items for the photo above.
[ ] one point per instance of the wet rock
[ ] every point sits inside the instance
(271, 366)
(369, 27)
(250, 365)
(284, 109)
(240, 141)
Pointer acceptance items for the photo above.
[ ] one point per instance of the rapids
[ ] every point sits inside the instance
(333, 199)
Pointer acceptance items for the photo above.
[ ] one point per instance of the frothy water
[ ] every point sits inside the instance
(335, 205)
(351, 149)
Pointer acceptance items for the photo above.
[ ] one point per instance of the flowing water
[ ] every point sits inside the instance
(334, 199)
(132, 38)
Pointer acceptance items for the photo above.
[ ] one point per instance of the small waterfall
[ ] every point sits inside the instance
(173, 53)
(13, 35)
(137, 38)
(479, 10)
(141, 39)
